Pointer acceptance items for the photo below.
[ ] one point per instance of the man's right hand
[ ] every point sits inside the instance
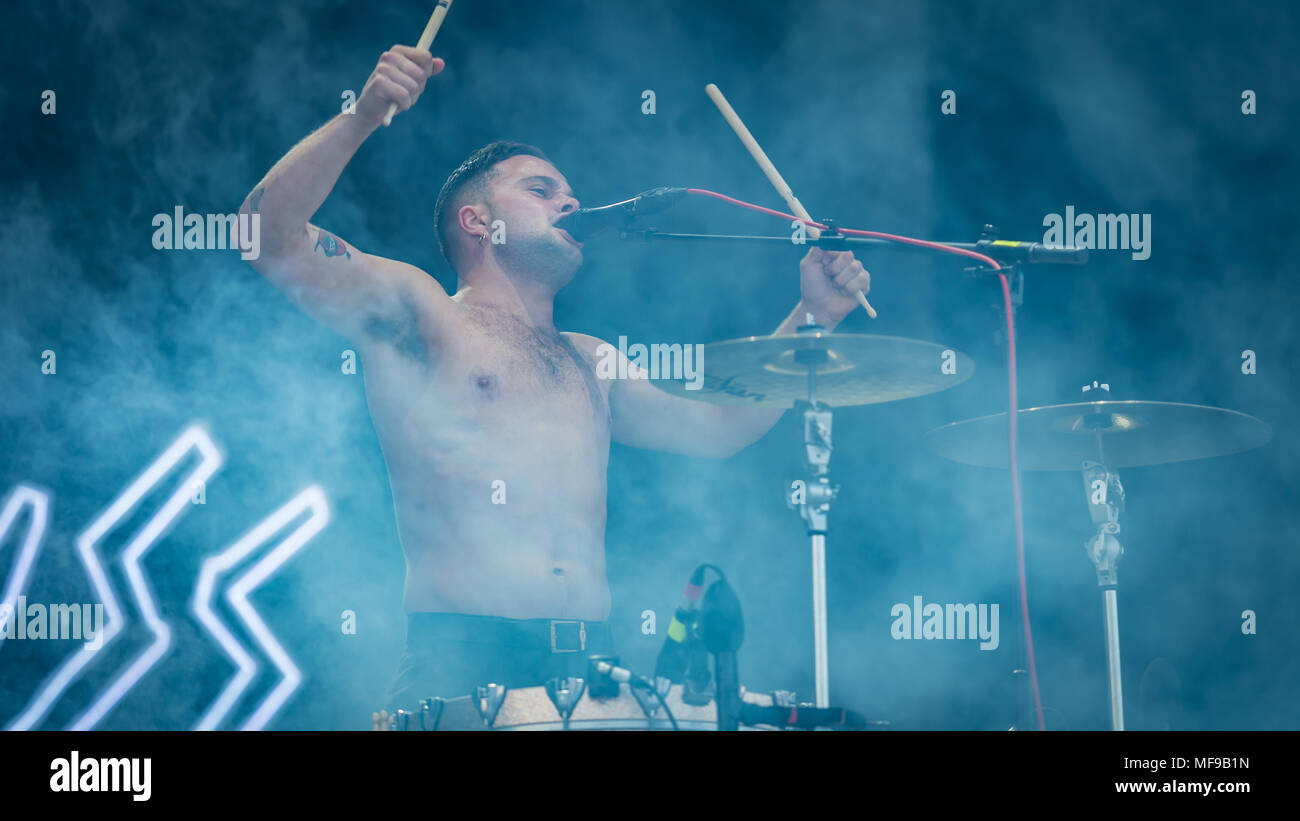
(399, 78)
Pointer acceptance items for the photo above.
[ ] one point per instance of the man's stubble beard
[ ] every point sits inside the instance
(547, 258)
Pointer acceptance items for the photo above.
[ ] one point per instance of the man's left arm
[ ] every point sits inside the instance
(644, 416)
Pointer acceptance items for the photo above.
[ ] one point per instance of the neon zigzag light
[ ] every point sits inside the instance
(40, 503)
(194, 437)
(237, 595)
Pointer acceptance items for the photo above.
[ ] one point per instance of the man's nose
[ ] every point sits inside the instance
(569, 206)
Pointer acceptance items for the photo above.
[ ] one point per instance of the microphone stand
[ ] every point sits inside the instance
(1010, 254)
(988, 244)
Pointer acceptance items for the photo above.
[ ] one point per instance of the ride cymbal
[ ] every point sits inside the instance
(851, 369)
(1118, 433)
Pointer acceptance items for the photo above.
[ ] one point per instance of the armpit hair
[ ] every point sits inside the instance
(401, 332)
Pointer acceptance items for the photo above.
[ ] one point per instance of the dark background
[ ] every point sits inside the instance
(1107, 106)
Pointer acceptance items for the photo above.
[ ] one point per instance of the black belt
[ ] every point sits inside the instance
(555, 635)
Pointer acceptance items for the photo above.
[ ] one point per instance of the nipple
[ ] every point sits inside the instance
(485, 382)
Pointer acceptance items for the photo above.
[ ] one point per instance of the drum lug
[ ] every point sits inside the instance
(430, 712)
(565, 693)
(489, 700)
(400, 720)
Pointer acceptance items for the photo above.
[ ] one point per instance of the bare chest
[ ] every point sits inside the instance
(508, 365)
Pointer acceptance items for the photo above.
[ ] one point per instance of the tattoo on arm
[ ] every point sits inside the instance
(330, 245)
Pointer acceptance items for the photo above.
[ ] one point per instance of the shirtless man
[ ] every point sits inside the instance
(478, 389)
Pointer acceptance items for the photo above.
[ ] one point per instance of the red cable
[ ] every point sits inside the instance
(1015, 495)
(1011, 382)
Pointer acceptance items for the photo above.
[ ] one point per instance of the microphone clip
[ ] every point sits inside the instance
(831, 239)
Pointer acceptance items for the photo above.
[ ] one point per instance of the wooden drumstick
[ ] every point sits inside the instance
(426, 40)
(773, 176)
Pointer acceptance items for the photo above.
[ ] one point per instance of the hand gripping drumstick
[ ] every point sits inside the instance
(426, 40)
(773, 175)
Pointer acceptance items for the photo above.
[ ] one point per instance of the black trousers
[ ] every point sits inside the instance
(450, 654)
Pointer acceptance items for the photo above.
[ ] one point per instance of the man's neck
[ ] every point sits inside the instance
(488, 286)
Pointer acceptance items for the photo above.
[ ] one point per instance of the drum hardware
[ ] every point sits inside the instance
(815, 507)
(805, 717)
(855, 369)
(565, 694)
(634, 708)
(400, 720)
(1096, 437)
(649, 695)
(1105, 496)
(488, 702)
(815, 371)
(652, 700)
(430, 712)
(601, 685)
(652, 696)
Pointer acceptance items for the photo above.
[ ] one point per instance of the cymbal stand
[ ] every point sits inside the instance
(813, 496)
(1105, 502)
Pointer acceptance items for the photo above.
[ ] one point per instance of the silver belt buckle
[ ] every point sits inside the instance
(582, 635)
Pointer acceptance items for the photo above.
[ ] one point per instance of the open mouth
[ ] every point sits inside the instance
(569, 237)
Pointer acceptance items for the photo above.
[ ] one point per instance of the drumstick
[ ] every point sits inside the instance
(773, 176)
(426, 40)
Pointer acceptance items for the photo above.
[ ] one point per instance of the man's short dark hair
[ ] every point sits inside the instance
(472, 179)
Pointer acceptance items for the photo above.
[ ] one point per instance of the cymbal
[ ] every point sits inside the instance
(1128, 433)
(855, 369)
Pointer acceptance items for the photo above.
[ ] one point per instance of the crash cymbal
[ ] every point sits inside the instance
(1130, 433)
(852, 369)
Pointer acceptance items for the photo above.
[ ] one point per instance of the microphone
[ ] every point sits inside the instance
(673, 656)
(1010, 251)
(722, 631)
(585, 222)
(697, 680)
(622, 675)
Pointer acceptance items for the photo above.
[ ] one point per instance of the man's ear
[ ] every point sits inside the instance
(474, 219)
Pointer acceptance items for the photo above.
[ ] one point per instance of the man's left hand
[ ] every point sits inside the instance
(829, 282)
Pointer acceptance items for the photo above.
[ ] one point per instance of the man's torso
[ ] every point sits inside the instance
(496, 437)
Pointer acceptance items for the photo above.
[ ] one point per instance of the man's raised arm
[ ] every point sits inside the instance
(357, 294)
(646, 417)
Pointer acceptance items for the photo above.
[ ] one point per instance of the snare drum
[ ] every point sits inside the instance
(531, 708)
